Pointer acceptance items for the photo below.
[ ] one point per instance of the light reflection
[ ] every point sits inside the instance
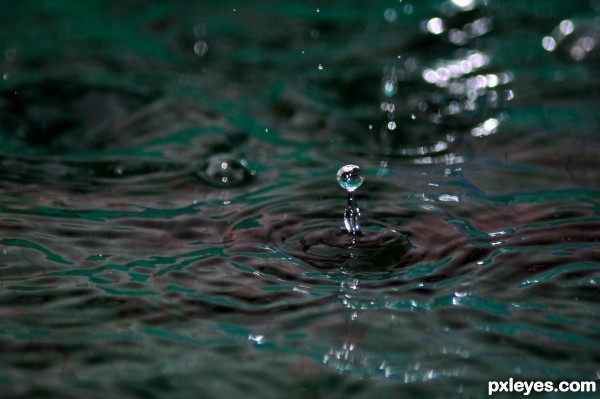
(390, 15)
(582, 46)
(200, 48)
(457, 37)
(257, 339)
(442, 75)
(486, 128)
(566, 27)
(460, 79)
(388, 107)
(340, 356)
(440, 146)
(478, 27)
(435, 26)
(449, 198)
(576, 39)
(448, 159)
(548, 43)
(389, 87)
(464, 4)
(462, 85)
(492, 80)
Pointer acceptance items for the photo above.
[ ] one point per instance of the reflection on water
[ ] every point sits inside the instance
(578, 40)
(171, 224)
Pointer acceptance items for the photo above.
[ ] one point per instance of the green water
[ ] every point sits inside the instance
(171, 225)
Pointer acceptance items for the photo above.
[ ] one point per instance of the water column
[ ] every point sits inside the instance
(350, 177)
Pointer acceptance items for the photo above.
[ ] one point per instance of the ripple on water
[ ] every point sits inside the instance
(379, 249)
(95, 134)
(124, 253)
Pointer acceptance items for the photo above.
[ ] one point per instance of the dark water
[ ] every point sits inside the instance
(170, 220)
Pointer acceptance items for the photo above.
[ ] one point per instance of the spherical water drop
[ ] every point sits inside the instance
(350, 177)
(389, 87)
(390, 15)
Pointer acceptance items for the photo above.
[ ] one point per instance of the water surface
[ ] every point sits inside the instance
(170, 218)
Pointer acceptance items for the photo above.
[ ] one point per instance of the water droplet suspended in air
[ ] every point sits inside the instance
(390, 15)
(351, 249)
(389, 87)
(350, 177)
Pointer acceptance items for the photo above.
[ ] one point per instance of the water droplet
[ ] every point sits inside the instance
(391, 125)
(200, 48)
(350, 177)
(224, 171)
(320, 67)
(566, 27)
(389, 87)
(435, 25)
(390, 15)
